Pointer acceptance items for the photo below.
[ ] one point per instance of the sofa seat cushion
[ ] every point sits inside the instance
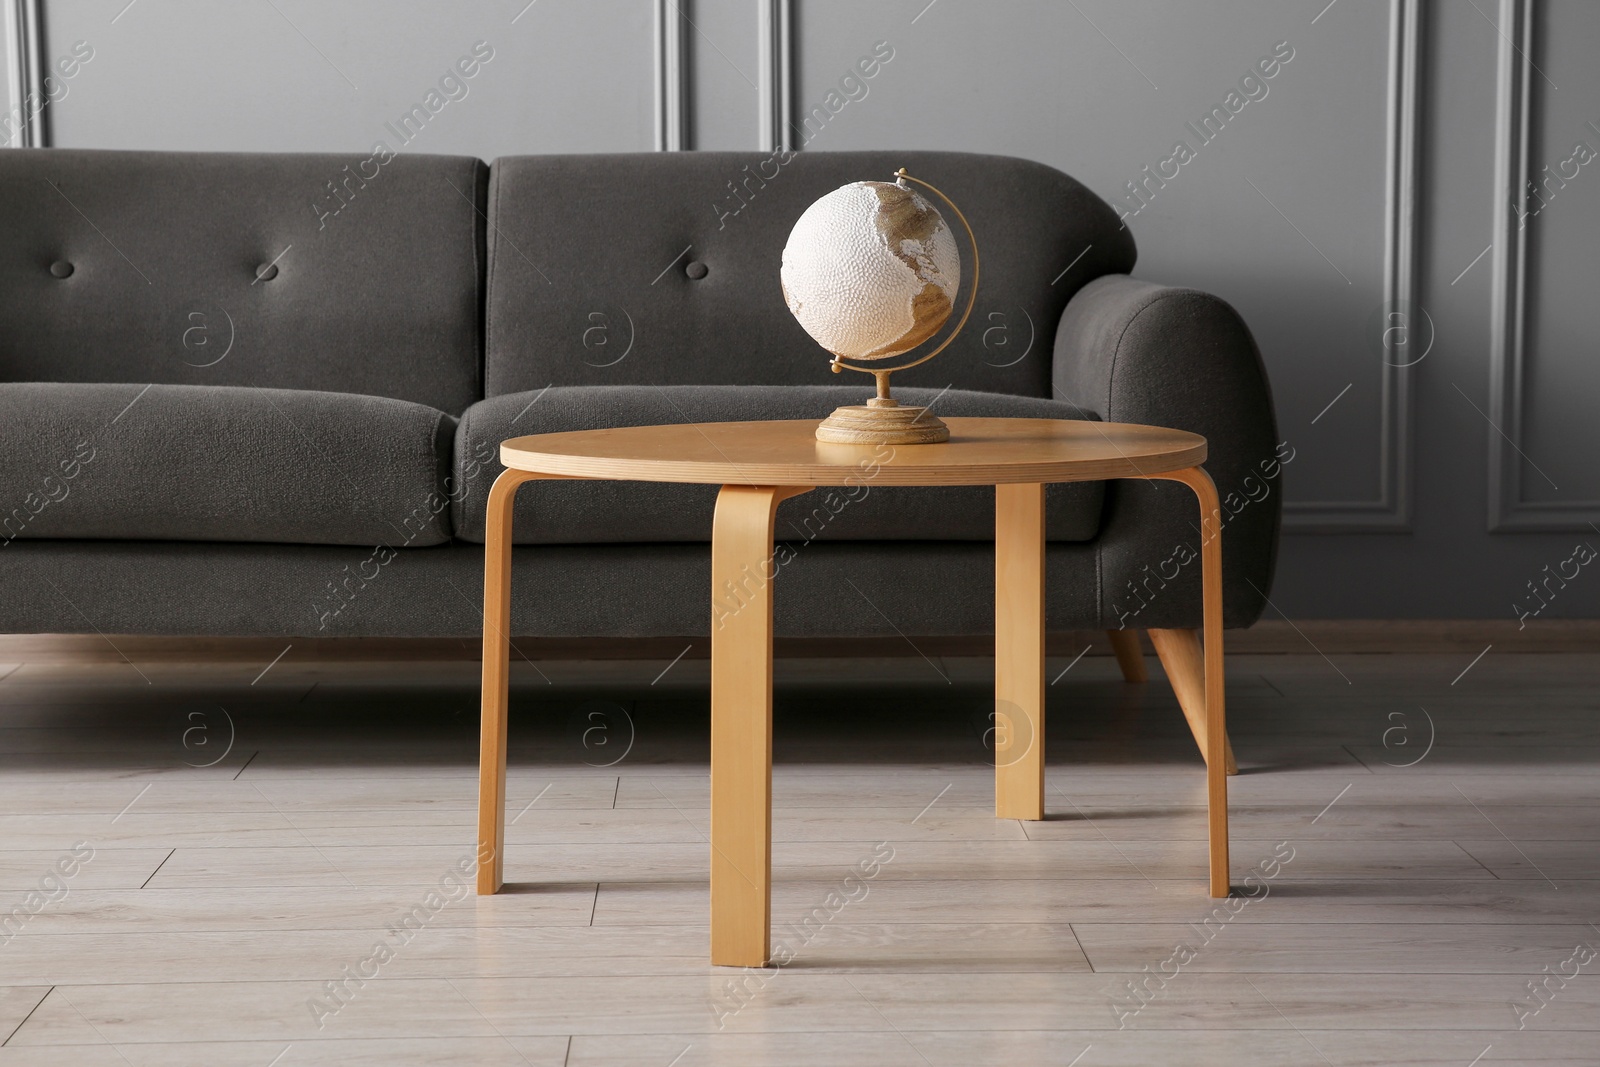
(574, 512)
(221, 463)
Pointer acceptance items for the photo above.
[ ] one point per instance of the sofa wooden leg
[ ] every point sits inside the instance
(1130, 656)
(1184, 662)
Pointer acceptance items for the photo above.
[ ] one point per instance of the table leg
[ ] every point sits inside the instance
(1216, 733)
(1019, 652)
(496, 679)
(742, 574)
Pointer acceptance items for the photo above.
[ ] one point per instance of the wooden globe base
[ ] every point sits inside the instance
(881, 421)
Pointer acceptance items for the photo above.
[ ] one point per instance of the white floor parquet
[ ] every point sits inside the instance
(235, 846)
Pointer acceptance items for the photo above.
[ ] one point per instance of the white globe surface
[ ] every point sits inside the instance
(871, 270)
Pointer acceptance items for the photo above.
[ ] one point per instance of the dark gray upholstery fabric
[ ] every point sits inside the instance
(214, 463)
(578, 512)
(1133, 351)
(557, 590)
(377, 283)
(589, 255)
(644, 289)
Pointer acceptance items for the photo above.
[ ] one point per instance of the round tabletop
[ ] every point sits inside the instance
(979, 452)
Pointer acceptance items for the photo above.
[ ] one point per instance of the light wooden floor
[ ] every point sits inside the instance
(220, 900)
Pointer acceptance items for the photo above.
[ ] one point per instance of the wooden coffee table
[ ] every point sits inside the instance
(759, 464)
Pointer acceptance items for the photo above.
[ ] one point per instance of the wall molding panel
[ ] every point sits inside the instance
(775, 81)
(672, 87)
(1391, 512)
(24, 59)
(1392, 508)
(1508, 356)
(1508, 292)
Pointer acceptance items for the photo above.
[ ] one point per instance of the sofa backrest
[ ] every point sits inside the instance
(143, 267)
(663, 268)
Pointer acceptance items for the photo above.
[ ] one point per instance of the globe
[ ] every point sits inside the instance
(871, 270)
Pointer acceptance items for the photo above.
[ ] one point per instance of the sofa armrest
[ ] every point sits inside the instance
(1134, 351)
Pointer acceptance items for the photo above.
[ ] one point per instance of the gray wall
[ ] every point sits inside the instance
(1454, 463)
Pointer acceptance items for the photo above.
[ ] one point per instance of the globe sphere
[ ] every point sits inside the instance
(871, 270)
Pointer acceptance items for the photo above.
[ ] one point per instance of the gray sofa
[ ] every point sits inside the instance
(252, 394)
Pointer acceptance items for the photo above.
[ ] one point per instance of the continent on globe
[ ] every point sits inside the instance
(871, 270)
